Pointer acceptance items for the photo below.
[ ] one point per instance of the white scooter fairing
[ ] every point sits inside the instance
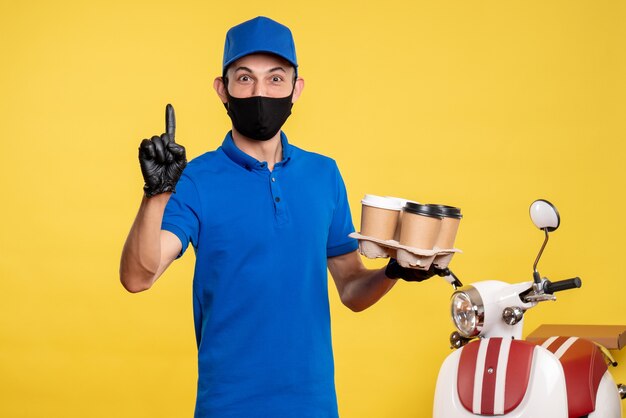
(499, 374)
(543, 396)
(513, 378)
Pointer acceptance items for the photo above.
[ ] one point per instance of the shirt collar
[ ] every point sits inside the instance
(248, 162)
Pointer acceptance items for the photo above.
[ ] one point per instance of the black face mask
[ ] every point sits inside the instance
(258, 117)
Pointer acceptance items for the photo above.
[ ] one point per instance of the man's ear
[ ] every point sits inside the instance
(220, 89)
(297, 89)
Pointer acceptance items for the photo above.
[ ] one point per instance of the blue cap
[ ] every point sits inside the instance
(260, 34)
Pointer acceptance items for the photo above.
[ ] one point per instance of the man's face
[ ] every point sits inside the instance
(260, 75)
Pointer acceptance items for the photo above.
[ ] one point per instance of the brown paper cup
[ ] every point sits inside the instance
(419, 230)
(379, 217)
(378, 223)
(449, 225)
(401, 202)
(447, 234)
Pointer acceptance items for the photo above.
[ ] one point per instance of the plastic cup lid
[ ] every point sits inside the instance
(424, 210)
(401, 200)
(381, 202)
(448, 211)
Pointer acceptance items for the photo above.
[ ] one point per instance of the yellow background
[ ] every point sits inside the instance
(486, 105)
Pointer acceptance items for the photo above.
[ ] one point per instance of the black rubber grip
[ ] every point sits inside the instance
(551, 287)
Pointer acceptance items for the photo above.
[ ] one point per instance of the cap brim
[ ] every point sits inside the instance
(258, 51)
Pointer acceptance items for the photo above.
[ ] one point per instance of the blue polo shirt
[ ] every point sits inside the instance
(260, 289)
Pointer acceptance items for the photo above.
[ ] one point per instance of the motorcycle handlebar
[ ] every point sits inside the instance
(551, 287)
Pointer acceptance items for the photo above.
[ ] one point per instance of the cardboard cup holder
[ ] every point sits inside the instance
(372, 250)
(416, 235)
(409, 257)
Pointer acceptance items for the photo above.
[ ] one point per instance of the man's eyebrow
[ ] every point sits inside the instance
(271, 70)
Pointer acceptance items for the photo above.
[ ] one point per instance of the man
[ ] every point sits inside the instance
(266, 220)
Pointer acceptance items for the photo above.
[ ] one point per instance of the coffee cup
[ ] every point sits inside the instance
(451, 218)
(401, 202)
(420, 226)
(379, 216)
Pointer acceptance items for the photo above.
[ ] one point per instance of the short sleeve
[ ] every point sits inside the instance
(182, 213)
(341, 225)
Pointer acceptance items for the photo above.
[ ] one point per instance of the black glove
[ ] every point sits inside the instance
(161, 159)
(396, 271)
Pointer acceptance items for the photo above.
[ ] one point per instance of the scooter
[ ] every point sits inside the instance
(495, 372)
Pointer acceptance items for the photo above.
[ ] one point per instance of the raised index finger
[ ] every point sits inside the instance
(170, 121)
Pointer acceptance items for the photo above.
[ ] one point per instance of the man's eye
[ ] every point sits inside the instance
(244, 78)
(277, 79)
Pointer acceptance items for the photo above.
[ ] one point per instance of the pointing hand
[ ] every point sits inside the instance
(162, 160)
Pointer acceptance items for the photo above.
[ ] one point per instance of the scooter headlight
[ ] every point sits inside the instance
(468, 311)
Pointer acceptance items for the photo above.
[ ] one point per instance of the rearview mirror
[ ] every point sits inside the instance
(544, 215)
